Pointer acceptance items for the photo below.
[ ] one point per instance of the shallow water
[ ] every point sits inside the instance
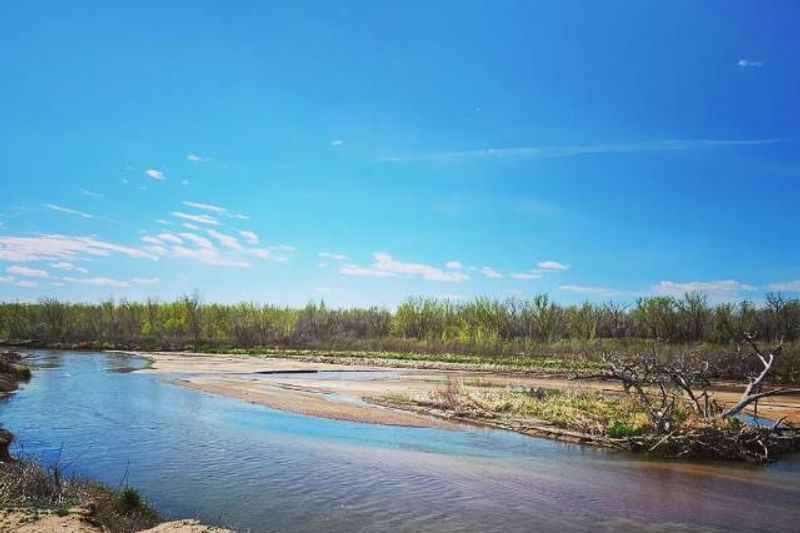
(249, 467)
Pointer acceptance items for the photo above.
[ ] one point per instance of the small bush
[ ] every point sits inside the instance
(22, 373)
(127, 500)
(620, 430)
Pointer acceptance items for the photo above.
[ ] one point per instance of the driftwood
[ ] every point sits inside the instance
(715, 432)
(758, 445)
(754, 390)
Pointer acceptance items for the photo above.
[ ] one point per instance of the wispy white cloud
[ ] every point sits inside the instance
(202, 242)
(156, 174)
(217, 210)
(27, 272)
(586, 289)
(723, 288)
(68, 211)
(152, 240)
(226, 241)
(190, 226)
(490, 273)
(61, 247)
(24, 283)
(157, 250)
(353, 270)
(169, 237)
(196, 158)
(145, 281)
(525, 276)
(111, 282)
(164, 222)
(91, 194)
(386, 266)
(186, 245)
(283, 248)
(280, 253)
(209, 257)
(98, 281)
(200, 219)
(69, 267)
(337, 142)
(552, 266)
(250, 236)
(748, 63)
(786, 286)
(549, 152)
(206, 207)
(333, 256)
(454, 265)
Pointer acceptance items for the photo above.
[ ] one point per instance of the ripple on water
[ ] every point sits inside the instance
(254, 468)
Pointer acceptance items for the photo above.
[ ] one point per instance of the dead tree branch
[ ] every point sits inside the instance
(754, 390)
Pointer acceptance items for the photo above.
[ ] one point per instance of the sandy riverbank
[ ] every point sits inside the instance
(76, 521)
(343, 391)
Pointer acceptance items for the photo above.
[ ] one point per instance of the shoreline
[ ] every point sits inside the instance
(92, 506)
(348, 392)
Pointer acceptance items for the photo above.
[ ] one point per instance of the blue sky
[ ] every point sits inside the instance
(362, 152)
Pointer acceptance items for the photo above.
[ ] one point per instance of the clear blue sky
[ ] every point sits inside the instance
(362, 152)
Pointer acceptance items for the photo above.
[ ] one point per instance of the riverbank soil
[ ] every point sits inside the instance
(76, 521)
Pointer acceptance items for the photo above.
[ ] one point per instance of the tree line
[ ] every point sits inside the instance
(418, 323)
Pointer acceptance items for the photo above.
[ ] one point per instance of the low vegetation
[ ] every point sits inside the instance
(29, 487)
(580, 410)
(666, 408)
(514, 333)
(663, 350)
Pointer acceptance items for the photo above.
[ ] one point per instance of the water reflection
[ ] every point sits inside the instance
(246, 466)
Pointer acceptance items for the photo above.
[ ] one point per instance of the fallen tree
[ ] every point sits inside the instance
(686, 418)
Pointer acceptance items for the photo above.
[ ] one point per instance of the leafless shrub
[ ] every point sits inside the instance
(453, 396)
(664, 388)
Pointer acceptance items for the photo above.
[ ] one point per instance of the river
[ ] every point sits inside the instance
(248, 467)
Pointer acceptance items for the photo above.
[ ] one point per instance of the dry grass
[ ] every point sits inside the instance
(584, 411)
(27, 485)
